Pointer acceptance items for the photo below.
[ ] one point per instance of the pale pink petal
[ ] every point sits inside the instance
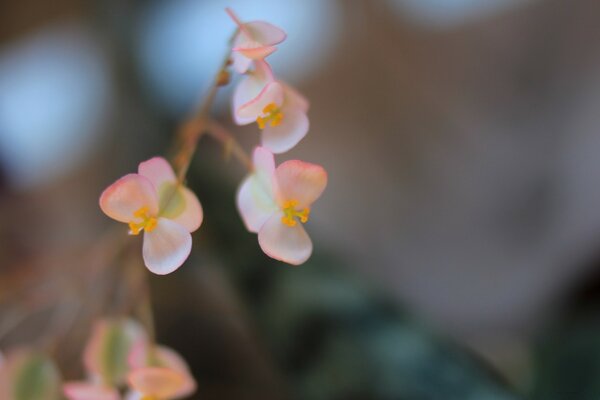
(300, 181)
(272, 93)
(265, 33)
(172, 360)
(164, 358)
(127, 195)
(166, 247)
(293, 98)
(255, 53)
(241, 63)
(235, 18)
(288, 133)
(89, 391)
(163, 383)
(289, 244)
(158, 171)
(263, 163)
(249, 88)
(192, 215)
(256, 195)
(254, 204)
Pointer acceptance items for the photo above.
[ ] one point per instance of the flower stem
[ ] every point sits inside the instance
(200, 123)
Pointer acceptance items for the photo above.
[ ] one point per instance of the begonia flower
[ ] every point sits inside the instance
(106, 359)
(106, 354)
(277, 108)
(276, 202)
(253, 41)
(155, 202)
(158, 372)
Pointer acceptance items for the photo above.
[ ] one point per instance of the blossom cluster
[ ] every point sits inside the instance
(121, 363)
(274, 202)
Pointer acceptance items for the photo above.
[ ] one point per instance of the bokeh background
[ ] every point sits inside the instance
(457, 242)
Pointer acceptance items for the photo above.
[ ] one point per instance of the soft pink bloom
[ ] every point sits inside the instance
(154, 201)
(253, 41)
(89, 391)
(106, 354)
(277, 108)
(160, 372)
(275, 202)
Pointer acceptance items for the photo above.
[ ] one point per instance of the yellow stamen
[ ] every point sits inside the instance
(148, 223)
(290, 213)
(271, 114)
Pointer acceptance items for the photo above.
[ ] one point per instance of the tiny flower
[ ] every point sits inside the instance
(276, 202)
(159, 373)
(154, 201)
(253, 41)
(277, 108)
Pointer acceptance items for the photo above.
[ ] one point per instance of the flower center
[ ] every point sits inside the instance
(271, 114)
(290, 213)
(147, 223)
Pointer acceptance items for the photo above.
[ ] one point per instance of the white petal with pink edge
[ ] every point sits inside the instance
(166, 247)
(272, 93)
(293, 98)
(192, 215)
(249, 88)
(127, 195)
(265, 33)
(241, 63)
(283, 137)
(290, 244)
(255, 203)
(89, 391)
(300, 181)
(158, 171)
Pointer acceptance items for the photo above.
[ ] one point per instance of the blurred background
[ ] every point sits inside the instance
(456, 246)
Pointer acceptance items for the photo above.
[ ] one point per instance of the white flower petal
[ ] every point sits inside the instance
(158, 171)
(285, 243)
(166, 247)
(272, 93)
(127, 195)
(300, 181)
(288, 133)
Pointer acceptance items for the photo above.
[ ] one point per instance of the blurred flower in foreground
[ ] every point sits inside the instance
(27, 374)
(154, 201)
(159, 373)
(278, 109)
(273, 200)
(119, 352)
(253, 41)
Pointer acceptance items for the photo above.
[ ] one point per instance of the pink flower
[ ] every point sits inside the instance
(275, 202)
(277, 108)
(154, 201)
(253, 41)
(159, 372)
